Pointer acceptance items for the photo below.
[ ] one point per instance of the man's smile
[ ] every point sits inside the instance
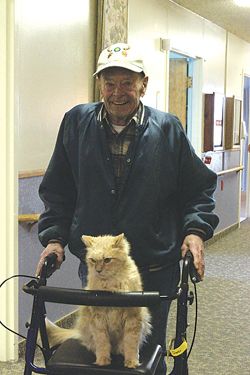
(119, 103)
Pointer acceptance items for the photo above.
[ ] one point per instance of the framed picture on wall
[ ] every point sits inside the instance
(232, 123)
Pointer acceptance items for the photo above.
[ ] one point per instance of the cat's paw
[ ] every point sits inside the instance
(131, 363)
(103, 361)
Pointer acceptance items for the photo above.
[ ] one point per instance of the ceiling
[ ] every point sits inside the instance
(224, 13)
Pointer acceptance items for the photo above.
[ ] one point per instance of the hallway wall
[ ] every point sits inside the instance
(54, 61)
(224, 57)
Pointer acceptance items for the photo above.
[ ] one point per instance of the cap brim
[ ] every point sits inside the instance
(119, 64)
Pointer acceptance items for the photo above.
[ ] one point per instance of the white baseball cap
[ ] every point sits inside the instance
(120, 55)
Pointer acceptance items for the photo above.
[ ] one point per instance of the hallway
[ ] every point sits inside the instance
(222, 341)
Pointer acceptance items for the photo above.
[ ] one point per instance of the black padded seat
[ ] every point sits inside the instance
(71, 358)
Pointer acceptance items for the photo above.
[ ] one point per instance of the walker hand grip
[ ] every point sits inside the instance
(193, 273)
(50, 264)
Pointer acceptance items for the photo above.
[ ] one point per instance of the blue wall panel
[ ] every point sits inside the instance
(29, 252)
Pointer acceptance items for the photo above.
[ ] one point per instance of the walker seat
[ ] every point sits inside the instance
(73, 358)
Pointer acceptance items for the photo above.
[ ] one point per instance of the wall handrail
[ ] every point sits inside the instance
(32, 173)
(35, 217)
(230, 170)
(28, 218)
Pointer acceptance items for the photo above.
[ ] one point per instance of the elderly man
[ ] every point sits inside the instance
(120, 166)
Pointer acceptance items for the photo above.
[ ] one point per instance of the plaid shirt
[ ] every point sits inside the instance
(119, 143)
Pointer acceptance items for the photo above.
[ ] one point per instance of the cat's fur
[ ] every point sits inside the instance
(106, 330)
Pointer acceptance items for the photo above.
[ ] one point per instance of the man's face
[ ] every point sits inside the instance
(121, 90)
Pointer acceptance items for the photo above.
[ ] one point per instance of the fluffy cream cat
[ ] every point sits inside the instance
(109, 330)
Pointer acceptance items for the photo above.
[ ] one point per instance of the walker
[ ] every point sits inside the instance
(71, 358)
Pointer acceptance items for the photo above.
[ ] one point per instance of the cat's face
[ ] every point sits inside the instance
(106, 255)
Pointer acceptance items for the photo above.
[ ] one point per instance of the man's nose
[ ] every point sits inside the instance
(118, 89)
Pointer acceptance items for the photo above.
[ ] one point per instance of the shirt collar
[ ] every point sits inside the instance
(138, 116)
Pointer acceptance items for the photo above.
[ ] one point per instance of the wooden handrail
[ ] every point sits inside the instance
(231, 170)
(32, 173)
(28, 218)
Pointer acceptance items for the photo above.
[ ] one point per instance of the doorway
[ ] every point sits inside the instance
(180, 88)
(244, 211)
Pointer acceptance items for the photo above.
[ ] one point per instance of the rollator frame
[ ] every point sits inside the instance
(43, 293)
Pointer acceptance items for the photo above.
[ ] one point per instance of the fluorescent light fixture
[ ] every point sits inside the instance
(242, 3)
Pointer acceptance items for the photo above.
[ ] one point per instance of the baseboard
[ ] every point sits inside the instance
(222, 233)
(64, 322)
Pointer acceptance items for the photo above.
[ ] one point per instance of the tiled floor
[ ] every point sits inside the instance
(222, 342)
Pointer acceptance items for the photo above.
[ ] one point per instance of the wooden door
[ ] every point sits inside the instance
(178, 84)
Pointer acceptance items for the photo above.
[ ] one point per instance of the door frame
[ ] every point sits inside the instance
(245, 203)
(9, 184)
(195, 131)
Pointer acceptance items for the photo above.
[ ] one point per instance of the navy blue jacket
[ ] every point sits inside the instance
(168, 191)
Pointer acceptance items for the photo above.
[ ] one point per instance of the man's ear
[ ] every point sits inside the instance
(144, 85)
(98, 84)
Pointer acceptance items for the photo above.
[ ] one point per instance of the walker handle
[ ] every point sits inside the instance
(193, 273)
(50, 264)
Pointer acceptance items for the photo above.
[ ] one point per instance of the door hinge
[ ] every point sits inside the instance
(189, 82)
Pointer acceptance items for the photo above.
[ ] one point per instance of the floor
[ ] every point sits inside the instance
(222, 341)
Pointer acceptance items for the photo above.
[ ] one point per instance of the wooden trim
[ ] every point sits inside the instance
(229, 123)
(32, 173)
(28, 218)
(231, 170)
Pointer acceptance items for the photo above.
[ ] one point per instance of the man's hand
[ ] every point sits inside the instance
(196, 245)
(51, 248)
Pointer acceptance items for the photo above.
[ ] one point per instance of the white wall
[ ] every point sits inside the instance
(53, 60)
(238, 62)
(190, 34)
(214, 54)
(145, 33)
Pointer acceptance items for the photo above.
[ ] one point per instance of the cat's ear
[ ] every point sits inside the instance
(118, 239)
(87, 240)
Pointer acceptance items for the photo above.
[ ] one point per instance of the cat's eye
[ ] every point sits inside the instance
(107, 260)
(92, 260)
